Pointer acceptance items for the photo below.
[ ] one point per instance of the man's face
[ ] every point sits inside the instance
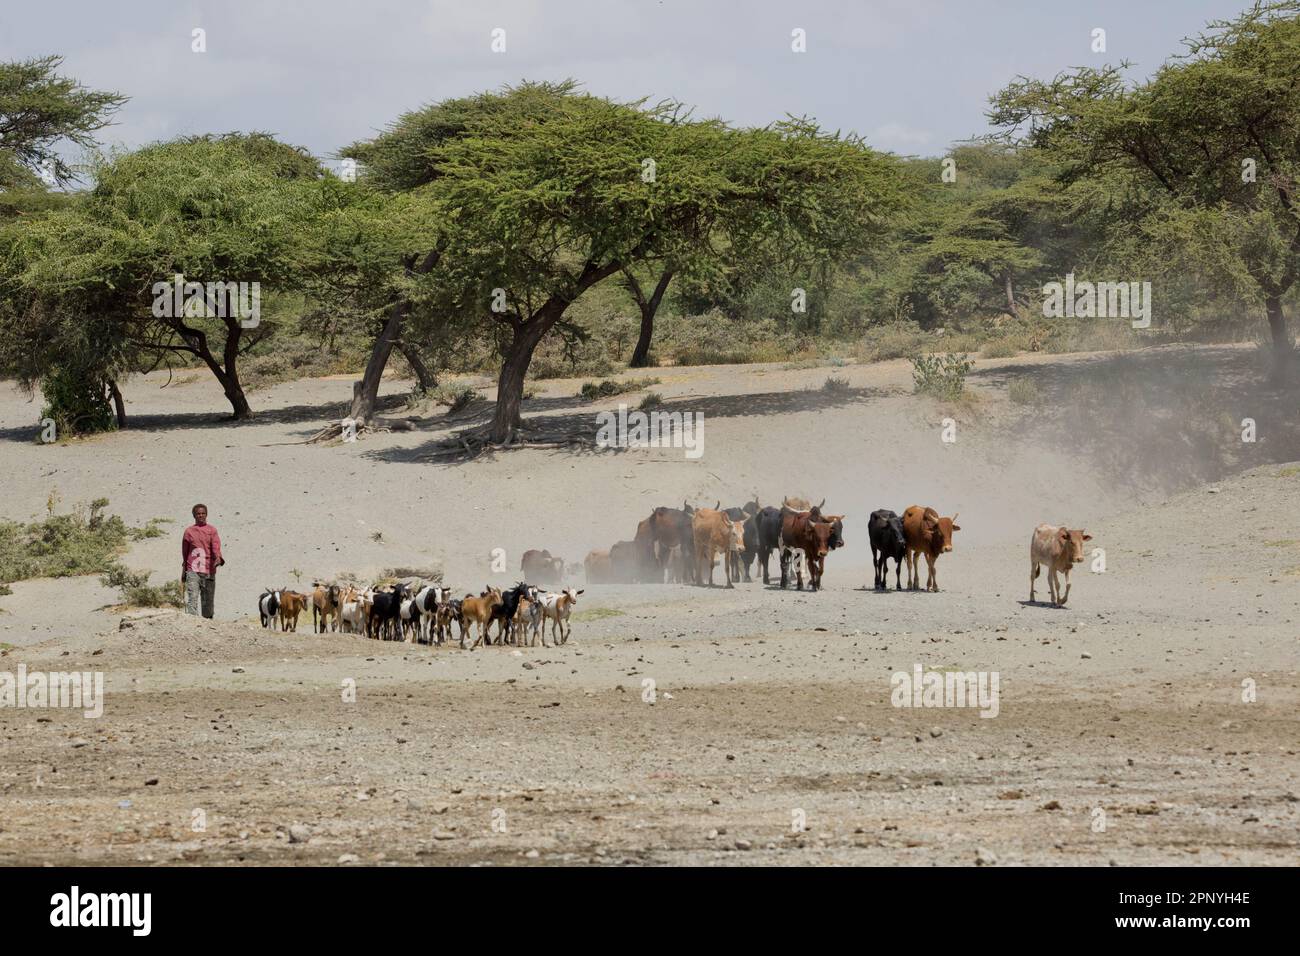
(200, 515)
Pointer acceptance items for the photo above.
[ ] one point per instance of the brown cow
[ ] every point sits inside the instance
(715, 534)
(927, 534)
(326, 600)
(809, 532)
(1058, 548)
(478, 610)
(599, 567)
(292, 603)
(539, 566)
(671, 528)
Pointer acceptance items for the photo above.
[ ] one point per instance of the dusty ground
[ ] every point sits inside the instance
(769, 708)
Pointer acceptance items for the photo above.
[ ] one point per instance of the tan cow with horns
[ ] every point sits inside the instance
(1059, 548)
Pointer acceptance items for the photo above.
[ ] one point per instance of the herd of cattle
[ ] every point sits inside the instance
(684, 545)
(672, 545)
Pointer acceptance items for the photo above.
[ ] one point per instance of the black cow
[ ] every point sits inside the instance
(504, 613)
(268, 605)
(887, 541)
(768, 526)
(386, 612)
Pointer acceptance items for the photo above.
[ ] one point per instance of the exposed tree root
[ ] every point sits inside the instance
(334, 431)
(472, 442)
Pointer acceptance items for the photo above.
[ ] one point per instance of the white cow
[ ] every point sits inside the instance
(556, 608)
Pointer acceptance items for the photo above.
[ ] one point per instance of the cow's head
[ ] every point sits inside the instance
(946, 527)
(572, 595)
(1072, 543)
(837, 530)
(752, 507)
(736, 541)
(821, 533)
(895, 525)
(687, 508)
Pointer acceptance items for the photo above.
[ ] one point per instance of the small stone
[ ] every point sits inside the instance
(985, 857)
(349, 858)
(298, 833)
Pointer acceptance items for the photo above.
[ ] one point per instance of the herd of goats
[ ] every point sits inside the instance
(672, 545)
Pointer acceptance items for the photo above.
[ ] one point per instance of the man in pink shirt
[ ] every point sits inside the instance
(200, 558)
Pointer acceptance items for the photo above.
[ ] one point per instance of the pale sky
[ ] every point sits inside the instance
(912, 76)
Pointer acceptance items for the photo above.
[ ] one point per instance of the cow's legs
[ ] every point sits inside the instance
(910, 557)
(1033, 576)
(932, 582)
(1066, 572)
(898, 574)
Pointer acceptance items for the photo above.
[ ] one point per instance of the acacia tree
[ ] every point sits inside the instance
(226, 209)
(543, 191)
(1202, 155)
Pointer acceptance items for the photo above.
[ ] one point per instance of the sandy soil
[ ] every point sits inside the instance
(769, 708)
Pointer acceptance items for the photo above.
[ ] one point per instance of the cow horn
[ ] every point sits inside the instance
(820, 506)
(718, 506)
(954, 517)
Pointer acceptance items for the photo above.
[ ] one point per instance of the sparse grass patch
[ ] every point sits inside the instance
(151, 529)
(593, 391)
(836, 385)
(596, 614)
(1289, 472)
(998, 349)
(455, 397)
(652, 400)
(1023, 391)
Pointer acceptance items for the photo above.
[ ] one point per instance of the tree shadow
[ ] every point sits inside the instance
(558, 416)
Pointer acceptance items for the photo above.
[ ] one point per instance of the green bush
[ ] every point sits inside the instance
(834, 385)
(943, 376)
(136, 590)
(84, 541)
(77, 403)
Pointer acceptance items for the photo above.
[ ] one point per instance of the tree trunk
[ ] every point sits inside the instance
(1282, 353)
(641, 355)
(230, 380)
(425, 379)
(510, 384)
(365, 393)
(1011, 295)
(366, 396)
(119, 406)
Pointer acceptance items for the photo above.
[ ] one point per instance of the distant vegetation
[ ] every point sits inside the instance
(462, 247)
